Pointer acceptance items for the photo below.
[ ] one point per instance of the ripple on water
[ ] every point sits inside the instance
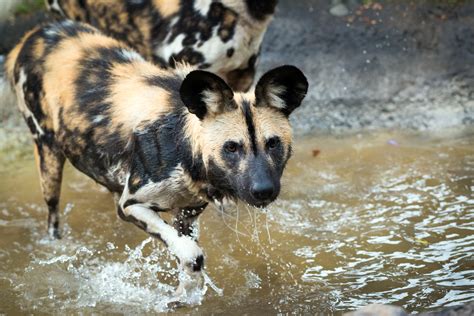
(363, 222)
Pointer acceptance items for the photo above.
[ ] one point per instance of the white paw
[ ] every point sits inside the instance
(188, 252)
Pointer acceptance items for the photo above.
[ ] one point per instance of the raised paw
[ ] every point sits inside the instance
(189, 254)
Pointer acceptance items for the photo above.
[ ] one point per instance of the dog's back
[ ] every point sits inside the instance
(77, 87)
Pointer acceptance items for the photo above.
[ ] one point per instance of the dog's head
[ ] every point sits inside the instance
(245, 138)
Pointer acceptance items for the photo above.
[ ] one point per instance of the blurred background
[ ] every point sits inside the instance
(371, 64)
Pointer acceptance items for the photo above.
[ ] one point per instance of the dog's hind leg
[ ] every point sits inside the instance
(50, 163)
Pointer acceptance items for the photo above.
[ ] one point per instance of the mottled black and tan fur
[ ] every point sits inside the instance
(159, 140)
(222, 36)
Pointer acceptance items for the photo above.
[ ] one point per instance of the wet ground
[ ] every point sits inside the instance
(369, 218)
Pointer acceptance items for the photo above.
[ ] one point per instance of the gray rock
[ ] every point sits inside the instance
(461, 310)
(378, 310)
(339, 10)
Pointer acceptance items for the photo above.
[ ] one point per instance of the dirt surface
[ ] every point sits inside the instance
(391, 64)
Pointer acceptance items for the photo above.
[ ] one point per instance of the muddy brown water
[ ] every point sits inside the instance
(372, 218)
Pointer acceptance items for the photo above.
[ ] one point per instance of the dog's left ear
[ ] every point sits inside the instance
(206, 94)
(282, 88)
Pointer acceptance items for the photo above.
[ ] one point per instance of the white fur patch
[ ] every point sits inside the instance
(165, 51)
(245, 41)
(98, 119)
(179, 186)
(186, 249)
(131, 55)
(55, 7)
(212, 100)
(117, 173)
(21, 101)
(273, 92)
(202, 6)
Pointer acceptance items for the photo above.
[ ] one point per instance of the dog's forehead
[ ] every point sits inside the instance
(270, 122)
(266, 120)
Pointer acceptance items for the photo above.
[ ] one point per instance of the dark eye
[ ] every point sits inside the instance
(231, 147)
(273, 143)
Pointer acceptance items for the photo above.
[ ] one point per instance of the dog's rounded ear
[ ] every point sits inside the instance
(282, 88)
(205, 93)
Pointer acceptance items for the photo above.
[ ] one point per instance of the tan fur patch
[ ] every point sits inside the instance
(229, 19)
(221, 128)
(39, 48)
(13, 55)
(37, 158)
(268, 123)
(74, 10)
(167, 7)
(193, 131)
(59, 78)
(70, 53)
(135, 101)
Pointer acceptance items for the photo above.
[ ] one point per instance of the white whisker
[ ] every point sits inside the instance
(266, 227)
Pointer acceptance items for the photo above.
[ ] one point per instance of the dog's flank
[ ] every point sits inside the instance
(223, 37)
(159, 140)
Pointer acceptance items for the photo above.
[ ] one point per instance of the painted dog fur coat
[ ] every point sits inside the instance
(221, 36)
(161, 140)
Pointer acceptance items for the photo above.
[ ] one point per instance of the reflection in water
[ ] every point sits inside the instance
(382, 218)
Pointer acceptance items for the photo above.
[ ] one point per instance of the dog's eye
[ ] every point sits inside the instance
(273, 143)
(231, 147)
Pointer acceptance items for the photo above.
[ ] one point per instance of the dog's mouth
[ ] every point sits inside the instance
(261, 204)
(220, 198)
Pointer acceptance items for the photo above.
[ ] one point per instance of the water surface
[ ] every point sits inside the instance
(371, 218)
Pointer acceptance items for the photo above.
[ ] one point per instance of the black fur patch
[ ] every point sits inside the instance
(293, 82)
(250, 125)
(198, 264)
(54, 33)
(198, 81)
(242, 79)
(160, 148)
(217, 177)
(171, 84)
(187, 55)
(277, 154)
(130, 202)
(260, 9)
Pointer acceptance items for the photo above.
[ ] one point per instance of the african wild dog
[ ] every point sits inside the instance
(221, 36)
(160, 140)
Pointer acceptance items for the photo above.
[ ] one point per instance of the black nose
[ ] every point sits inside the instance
(262, 190)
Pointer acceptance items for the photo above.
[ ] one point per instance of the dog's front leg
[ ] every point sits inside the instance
(185, 220)
(188, 252)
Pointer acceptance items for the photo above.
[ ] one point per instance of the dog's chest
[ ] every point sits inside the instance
(178, 190)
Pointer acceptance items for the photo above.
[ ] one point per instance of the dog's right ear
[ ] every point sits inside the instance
(205, 93)
(282, 88)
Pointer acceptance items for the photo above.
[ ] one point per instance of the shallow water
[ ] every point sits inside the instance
(374, 218)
